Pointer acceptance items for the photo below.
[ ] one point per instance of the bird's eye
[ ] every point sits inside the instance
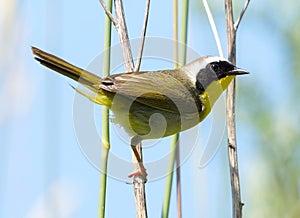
(215, 67)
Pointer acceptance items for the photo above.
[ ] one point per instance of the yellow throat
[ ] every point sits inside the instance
(212, 93)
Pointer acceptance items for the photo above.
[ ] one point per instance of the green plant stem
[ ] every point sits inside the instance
(169, 178)
(183, 32)
(174, 139)
(175, 32)
(179, 60)
(105, 117)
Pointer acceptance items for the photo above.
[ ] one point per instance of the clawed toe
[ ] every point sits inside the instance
(141, 173)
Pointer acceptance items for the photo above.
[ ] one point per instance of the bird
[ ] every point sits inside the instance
(152, 104)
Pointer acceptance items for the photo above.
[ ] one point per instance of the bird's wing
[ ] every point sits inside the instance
(164, 90)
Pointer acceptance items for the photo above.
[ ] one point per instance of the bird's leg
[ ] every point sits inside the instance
(142, 171)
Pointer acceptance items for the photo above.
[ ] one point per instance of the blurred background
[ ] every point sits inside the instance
(42, 169)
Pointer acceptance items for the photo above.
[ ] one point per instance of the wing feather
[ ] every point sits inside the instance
(164, 90)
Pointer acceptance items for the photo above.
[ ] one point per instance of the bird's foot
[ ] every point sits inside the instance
(140, 173)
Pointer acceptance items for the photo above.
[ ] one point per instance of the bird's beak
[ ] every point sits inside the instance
(237, 71)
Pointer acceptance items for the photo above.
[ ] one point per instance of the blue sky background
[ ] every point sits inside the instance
(42, 168)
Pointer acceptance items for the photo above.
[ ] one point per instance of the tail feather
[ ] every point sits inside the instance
(91, 81)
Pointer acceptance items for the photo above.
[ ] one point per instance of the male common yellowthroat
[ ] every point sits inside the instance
(153, 104)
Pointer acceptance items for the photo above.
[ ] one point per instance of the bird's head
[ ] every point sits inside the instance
(211, 75)
(212, 69)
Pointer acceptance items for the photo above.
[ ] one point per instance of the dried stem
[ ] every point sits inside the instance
(231, 32)
(238, 21)
(108, 12)
(121, 28)
(231, 28)
(139, 57)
